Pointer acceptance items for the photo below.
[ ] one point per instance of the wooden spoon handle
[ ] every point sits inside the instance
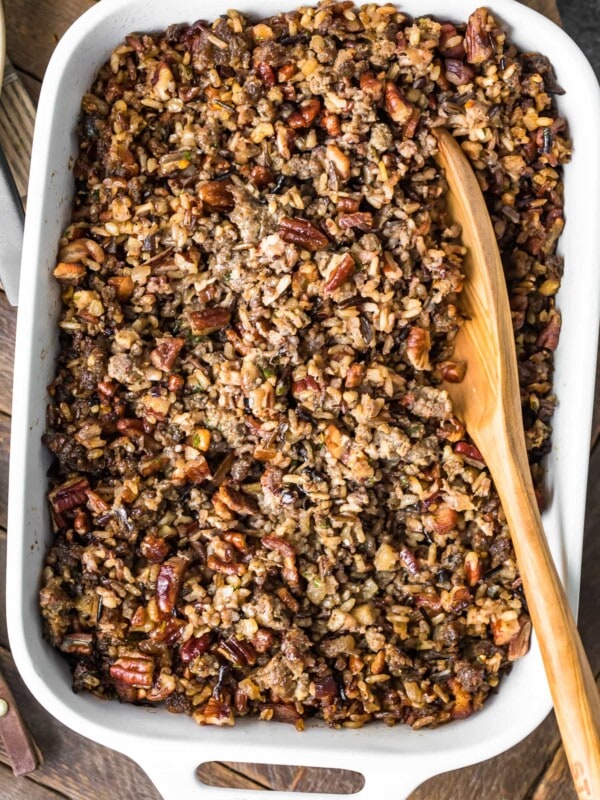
(572, 684)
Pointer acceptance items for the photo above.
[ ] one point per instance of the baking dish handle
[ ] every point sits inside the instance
(173, 772)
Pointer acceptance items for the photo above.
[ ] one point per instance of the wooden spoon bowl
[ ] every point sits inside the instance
(487, 400)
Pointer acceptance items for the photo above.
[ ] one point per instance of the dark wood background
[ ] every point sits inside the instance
(77, 769)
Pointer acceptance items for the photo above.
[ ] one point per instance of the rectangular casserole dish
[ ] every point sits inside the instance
(169, 747)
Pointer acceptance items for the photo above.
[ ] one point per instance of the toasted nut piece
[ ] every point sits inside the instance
(154, 548)
(410, 561)
(478, 43)
(201, 439)
(343, 270)
(209, 320)
(168, 583)
(331, 123)
(462, 706)
(194, 647)
(386, 558)
(470, 453)
(78, 644)
(418, 344)
(79, 249)
(196, 471)
(215, 712)
(163, 82)
(451, 42)
(69, 495)
(175, 383)
(371, 86)
(472, 568)
(237, 501)
(165, 353)
(123, 286)
(549, 336)
(336, 442)
(217, 196)
(225, 567)
(361, 220)
(443, 520)
(326, 688)
(348, 204)
(355, 375)
(505, 630)
(71, 273)
(519, 644)
(399, 109)
(339, 159)
(266, 73)
(136, 671)
(457, 599)
(303, 233)
(452, 371)
(306, 115)
(457, 72)
(238, 651)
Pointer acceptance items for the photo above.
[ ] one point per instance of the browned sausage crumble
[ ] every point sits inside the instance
(262, 502)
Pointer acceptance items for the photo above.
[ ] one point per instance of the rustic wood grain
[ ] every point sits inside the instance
(33, 85)
(214, 773)
(8, 321)
(17, 117)
(12, 788)
(34, 27)
(73, 766)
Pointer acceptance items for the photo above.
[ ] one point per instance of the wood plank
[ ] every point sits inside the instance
(4, 446)
(215, 773)
(33, 28)
(31, 84)
(546, 7)
(596, 418)
(12, 788)
(73, 766)
(8, 321)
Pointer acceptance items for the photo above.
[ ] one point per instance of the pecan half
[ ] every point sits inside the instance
(168, 583)
(452, 371)
(194, 647)
(306, 114)
(343, 270)
(217, 195)
(238, 651)
(361, 220)
(399, 109)
(69, 273)
(470, 453)
(215, 712)
(457, 72)
(519, 644)
(472, 568)
(237, 500)
(69, 495)
(418, 344)
(290, 571)
(123, 286)
(326, 688)
(331, 123)
(355, 375)
(478, 43)
(296, 230)
(266, 73)
(134, 671)
(165, 353)
(154, 548)
(209, 320)
(371, 86)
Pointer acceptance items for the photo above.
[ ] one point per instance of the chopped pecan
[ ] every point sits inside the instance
(451, 42)
(361, 220)
(410, 561)
(457, 72)
(355, 375)
(165, 353)
(452, 371)
(478, 43)
(463, 707)
(123, 286)
(80, 249)
(347, 205)
(168, 583)
(548, 337)
(443, 520)
(288, 599)
(238, 651)
(343, 270)
(519, 644)
(457, 600)
(130, 427)
(399, 109)
(290, 571)
(209, 320)
(259, 176)
(472, 568)
(331, 123)
(71, 273)
(135, 671)
(371, 86)
(217, 195)
(96, 504)
(266, 73)
(154, 548)
(196, 471)
(225, 567)
(77, 644)
(263, 640)
(303, 233)
(339, 159)
(237, 501)
(215, 712)
(418, 344)
(175, 383)
(194, 647)
(505, 630)
(470, 453)
(69, 495)
(306, 114)
(326, 688)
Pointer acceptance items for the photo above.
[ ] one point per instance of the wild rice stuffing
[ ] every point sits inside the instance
(262, 502)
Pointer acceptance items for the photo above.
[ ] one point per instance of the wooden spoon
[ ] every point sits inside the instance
(488, 403)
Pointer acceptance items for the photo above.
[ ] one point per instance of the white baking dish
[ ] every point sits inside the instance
(169, 747)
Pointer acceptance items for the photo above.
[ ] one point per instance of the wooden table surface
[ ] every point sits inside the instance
(77, 769)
